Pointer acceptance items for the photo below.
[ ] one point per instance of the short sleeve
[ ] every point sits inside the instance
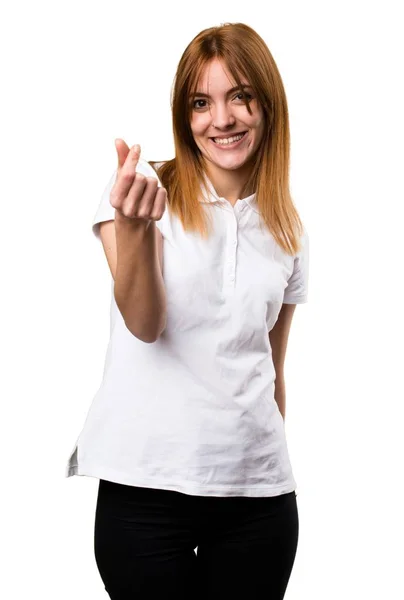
(296, 291)
(106, 212)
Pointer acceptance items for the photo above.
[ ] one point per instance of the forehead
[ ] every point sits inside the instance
(216, 75)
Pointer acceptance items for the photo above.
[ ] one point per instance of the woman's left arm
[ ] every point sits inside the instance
(278, 339)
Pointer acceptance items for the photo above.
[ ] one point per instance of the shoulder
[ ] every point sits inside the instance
(304, 242)
(156, 165)
(150, 168)
(146, 167)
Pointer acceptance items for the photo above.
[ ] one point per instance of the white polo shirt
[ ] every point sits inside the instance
(195, 411)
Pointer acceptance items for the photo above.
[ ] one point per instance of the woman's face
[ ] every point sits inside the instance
(218, 112)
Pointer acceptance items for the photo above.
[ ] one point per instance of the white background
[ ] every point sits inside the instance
(76, 76)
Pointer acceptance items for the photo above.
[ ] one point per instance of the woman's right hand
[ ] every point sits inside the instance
(134, 195)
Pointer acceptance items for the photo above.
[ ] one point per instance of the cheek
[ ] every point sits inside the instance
(259, 124)
(254, 121)
(198, 125)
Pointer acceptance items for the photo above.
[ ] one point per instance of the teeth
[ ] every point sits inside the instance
(228, 140)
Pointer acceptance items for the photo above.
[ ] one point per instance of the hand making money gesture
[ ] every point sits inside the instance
(134, 195)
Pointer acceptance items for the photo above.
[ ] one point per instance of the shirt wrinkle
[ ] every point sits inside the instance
(195, 411)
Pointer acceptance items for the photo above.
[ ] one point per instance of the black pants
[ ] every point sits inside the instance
(144, 542)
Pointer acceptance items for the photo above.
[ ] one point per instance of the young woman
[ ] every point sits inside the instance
(208, 258)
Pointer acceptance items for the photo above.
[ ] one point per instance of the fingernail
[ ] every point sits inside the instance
(136, 148)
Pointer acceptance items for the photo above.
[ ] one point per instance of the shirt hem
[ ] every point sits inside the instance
(181, 486)
(295, 300)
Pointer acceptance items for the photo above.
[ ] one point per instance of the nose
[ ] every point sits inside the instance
(222, 117)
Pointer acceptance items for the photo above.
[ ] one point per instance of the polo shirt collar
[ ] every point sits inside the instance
(213, 196)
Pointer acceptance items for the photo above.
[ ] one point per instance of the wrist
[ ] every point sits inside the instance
(131, 223)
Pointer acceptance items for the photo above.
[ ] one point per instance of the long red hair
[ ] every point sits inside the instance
(244, 53)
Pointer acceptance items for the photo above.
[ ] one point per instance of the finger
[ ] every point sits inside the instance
(160, 202)
(122, 150)
(144, 204)
(148, 199)
(132, 159)
(131, 190)
(126, 175)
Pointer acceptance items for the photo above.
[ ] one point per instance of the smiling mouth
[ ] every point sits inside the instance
(230, 140)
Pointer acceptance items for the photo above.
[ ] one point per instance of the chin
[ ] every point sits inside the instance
(233, 167)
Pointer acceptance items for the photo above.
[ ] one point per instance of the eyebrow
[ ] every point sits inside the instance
(233, 89)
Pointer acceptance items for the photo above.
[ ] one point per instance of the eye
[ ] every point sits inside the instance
(249, 96)
(195, 104)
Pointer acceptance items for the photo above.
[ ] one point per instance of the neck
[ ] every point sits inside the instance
(229, 184)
